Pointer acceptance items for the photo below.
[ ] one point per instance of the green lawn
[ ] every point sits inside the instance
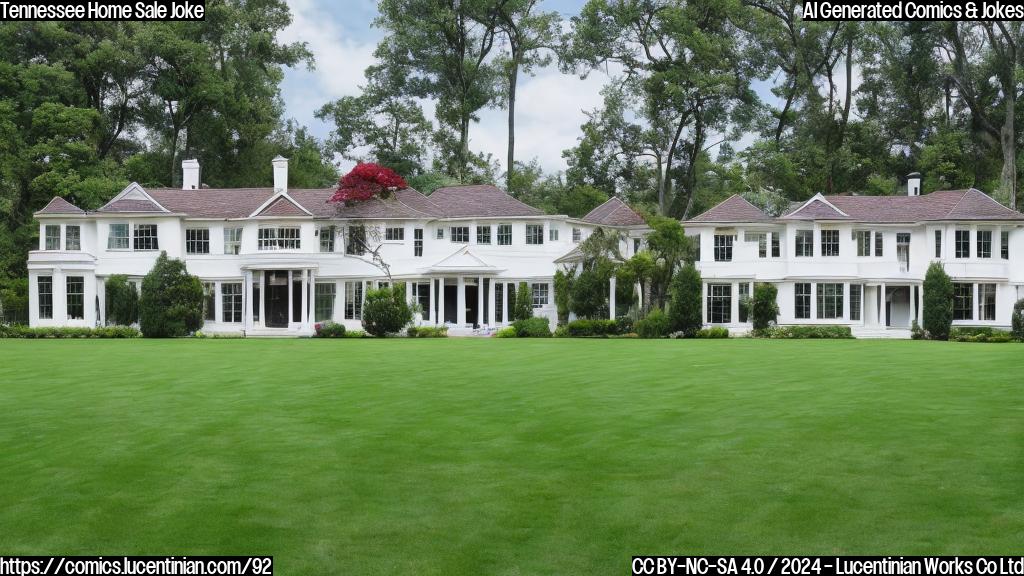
(509, 456)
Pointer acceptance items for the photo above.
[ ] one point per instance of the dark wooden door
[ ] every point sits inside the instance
(276, 293)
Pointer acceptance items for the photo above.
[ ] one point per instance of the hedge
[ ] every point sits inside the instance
(822, 332)
(591, 328)
(655, 325)
(65, 332)
(981, 334)
(535, 327)
(427, 332)
(329, 330)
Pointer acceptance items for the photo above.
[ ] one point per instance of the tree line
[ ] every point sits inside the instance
(87, 107)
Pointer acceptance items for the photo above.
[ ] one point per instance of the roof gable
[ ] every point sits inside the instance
(817, 208)
(281, 205)
(133, 198)
(976, 205)
(463, 260)
(59, 205)
(614, 212)
(735, 208)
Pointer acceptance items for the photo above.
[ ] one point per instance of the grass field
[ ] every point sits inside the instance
(509, 456)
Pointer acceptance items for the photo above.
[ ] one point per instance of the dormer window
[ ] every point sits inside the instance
(279, 238)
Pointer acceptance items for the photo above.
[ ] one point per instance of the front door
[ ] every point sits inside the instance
(276, 290)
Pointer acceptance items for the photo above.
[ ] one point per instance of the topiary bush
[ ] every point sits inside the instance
(171, 304)
(655, 325)
(535, 327)
(329, 330)
(523, 307)
(764, 305)
(684, 312)
(121, 300)
(937, 317)
(1017, 320)
(385, 311)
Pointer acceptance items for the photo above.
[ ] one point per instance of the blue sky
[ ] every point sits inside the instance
(549, 107)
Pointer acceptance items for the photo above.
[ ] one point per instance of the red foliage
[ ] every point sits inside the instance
(366, 181)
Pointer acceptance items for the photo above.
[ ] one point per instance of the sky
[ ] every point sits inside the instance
(549, 109)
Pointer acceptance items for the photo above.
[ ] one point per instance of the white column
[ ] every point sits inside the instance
(218, 302)
(408, 293)
(101, 293)
(704, 302)
(846, 300)
(734, 306)
(490, 304)
(480, 320)
(440, 300)
(460, 302)
(814, 301)
(433, 301)
(339, 301)
(639, 296)
(504, 303)
(290, 295)
(247, 300)
(881, 306)
(306, 284)
(913, 303)
(611, 298)
(974, 303)
(920, 304)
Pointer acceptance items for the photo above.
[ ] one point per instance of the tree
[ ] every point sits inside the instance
(366, 181)
(1017, 320)
(764, 306)
(937, 315)
(685, 309)
(563, 294)
(171, 304)
(523, 306)
(669, 248)
(122, 301)
(529, 33)
(442, 49)
(385, 311)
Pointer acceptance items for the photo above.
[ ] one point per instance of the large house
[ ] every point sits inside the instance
(276, 261)
(861, 260)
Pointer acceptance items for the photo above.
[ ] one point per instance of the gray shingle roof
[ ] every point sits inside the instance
(970, 204)
(735, 208)
(614, 212)
(283, 207)
(60, 206)
(480, 200)
(126, 205)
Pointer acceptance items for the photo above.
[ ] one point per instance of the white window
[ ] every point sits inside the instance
(540, 294)
(856, 291)
(963, 301)
(53, 237)
(197, 240)
(145, 237)
(394, 234)
(483, 234)
(1004, 245)
(232, 240)
(802, 300)
(863, 239)
(984, 241)
(830, 301)
(460, 234)
(986, 301)
(356, 244)
(44, 285)
(830, 242)
(553, 234)
(324, 301)
(231, 301)
(504, 234)
(962, 241)
(279, 238)
(440, 233)
(210, 301)
(534, 233)
(326, 234)
(719, 303)
(73, 238)
(577, 235)
(804, 243)
(723, 247)
(354, 300)
(76, 297)
(417, 242)
(117, 237)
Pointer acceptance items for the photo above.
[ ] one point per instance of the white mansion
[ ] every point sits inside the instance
(861, 260)
(276, 261)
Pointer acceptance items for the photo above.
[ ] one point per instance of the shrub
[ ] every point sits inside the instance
(563, 295)
(764, 306)
(590, 294)
(655, 325)
(329, 330)
(916, 332)
(355, 334)
(937, 317)
(623, 325)
(713, 332)
(386, 311)
(532, 328)
(980, 334)
(523, 307)
(684, 312)
(796, 332)
(122, 301)
(427, 332)
(20, 331)
(1017, 320)
(508, 332)
(14, 301)
(171, 304)
(587, 328)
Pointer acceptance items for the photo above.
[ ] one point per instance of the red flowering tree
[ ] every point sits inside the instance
(366, 181)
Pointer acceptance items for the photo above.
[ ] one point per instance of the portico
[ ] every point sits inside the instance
(277, 298)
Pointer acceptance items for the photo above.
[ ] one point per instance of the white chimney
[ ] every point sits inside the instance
(189, 174)
(914, 184)
(280, 174)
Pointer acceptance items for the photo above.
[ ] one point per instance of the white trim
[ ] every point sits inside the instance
(134, 189)
(270, 201)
